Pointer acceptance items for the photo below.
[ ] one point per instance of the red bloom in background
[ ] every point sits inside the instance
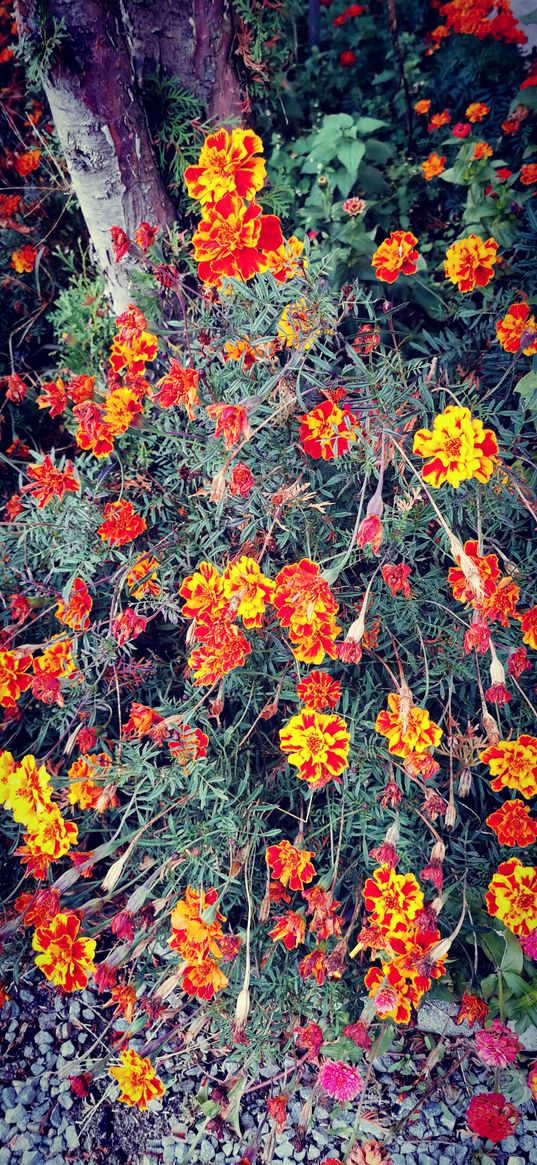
(461, 129)
(23, 261)
(127, 626)
(290, 865)
(309, 1037)
(26, 163)
(513, 825)
(518, 663)
(497, 1046)
(370, 532)
(241, 480)
(48, 482)
(396, 578)
(319, 691)
(145, 235)
(472, 1010)
(231, 423)
(77, 612)
(121, 524)
(179, 387)
(347, 58)
(327, 431)
(490, 1115)
(16, 389)
(340, 1080)
(120, 243)
(290, 928)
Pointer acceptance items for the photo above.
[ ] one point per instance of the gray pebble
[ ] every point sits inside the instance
(31, 1157)
(68, 1049)
(509, 1145)
(4, 1131)
(284, 1149)
(36, 1067)
(6, 1157)
(56, 1145)
(43, 1039)
(13, 1116)
(23, 1141)
(206, 1153)
(9, 1097)
(47, 1022)
(71, 1137)
(66, 1100)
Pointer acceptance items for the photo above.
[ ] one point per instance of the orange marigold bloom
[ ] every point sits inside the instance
(13, 680)
(50, 835)
(48, 482)
(501, 604)
(92, 432)
(142, 577)
(241, 480)
(38, 909)
(300, 593)
(122, 523)
(317, 744)
(284, 263)
(393, 995)
(203, 979)
(396, 255)
(141, 720)
(513, 764)
(476, 111)
(481, 150)
(396, 576)
(370, 533)
(392, 898)
(513, 825)
(124, 996)
(512, 896)
(179, 386)
(248, 591)
(26, 163)
(64, 957)
(470, 262)
(291, 866)
(518, 329)
(23, 260)
(227, 165)
(422, 106)
(121, 408)
(204, 594)
(290, 929)
(438, 120)
(407, 729)
(233, 240)
(319, 691)
(246, 351)
(53, 396)
(7, 765)
(472, 1010)
(459, 448)
(193, 935)
(223, 648)
(325, 920)
(188, 744)
(137, 1080)
(487, 568)
(433, 166)
(528, 174)
(133, 353)
(231, 423)
(327, 431)
(56, 659)
(145, 235)
(27, 791)
(77, 612)
(528, 626)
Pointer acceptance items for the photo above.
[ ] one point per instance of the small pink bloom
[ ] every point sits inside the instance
(340, 1080)
(497, 1045)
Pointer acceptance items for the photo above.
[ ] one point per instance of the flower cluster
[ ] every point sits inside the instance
(196, 935)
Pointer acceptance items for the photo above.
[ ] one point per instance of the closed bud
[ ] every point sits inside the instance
(465, 783)
(438, 851)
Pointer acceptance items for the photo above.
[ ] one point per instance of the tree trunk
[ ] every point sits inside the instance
(94, 98)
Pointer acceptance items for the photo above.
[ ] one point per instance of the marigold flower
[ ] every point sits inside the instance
(223, 648)
(370, 533)
(497, 1046)
(327, 431)
(433, 166)
(133, 354)
(472, 1010)
(347, 58)
(284, 263)
(528, 626)
(92, 432)
(325, 921)
(137, 1080)
(407, 730)
(122, 523)
(231, 423)
(233, 240)
(121, 408)
(290, 929)
(297, 326)
(23, 260)
(204, 594)
(476, 111)
(203, 979)
(513, 764)
(13, 678)
(290, 865)
(48, 482)
(340, 1080)
(128, 626)
(461, 129)
(317, 744)
(38, 909)
(16, 389)
(309, 1037)
(481, 151)
(27, 792)
(193, 935)
(470, 262)
(145, 235)
(319, 691)
(396, 578)
(64, 956)
(497, 694)
(305, 604)
(518, 663)
(76, 613)
(188, 745)
(142, 577)
(366, 339)
(247, 590)
(120, 243)
(517, 328)
(390, 897)
(26, 163)
(438, 120)
(487, 572)
(512, 896)
(50, 835)
(227, 164)
(179, 386)
(241, 480)
(528, 174)
(459, 448)
(491, 1116)
(423, 106)
(53, 396)
(396, 255)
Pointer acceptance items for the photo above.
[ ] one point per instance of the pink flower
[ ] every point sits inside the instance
(497, 1045)
(491, 1116)
(529, 945)
(340, 1080)
(359, 1034)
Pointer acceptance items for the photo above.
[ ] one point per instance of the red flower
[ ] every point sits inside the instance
(120, 243)
(396, 578)
(16, 389)
(319, 691)
(347, 58)
(127, 626)
(518, 663)
(121, 523)
(497, 1046)
(234, 239)
(477, 637)
(327, 431)
(309, 1037)
(472, 1010)
(370, 532)
(48, 482)
(340, 1080)
(80, 1085)
(498, 694)
(145, 235)
(179, 387)
(490, 1115)
(290, 928)
(231, 423)
(461, 129)
(241, 480)
(122, 925)
(358, 1033)
(513, 825)
(396, 255)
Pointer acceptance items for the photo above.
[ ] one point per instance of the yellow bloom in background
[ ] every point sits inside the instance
(137, 1080)
(298, 326)
(512, 896)
(28, 792)
(64, 957)
(228, 164)
(407, 730)
(248, 590)
(7, 764)
(477, 110)
(470, 262)
(458, 447)
(317, 744)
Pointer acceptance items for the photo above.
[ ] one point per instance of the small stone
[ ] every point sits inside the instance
(14, 1115)
(71, 1137)
(66, 1100)
(31, 1157)
(37, 1067)
(46, 1021)
(9, 1097)
(68, 1050)
(56, 1145)
(6, 1157)
(43, 1039)
(22, 1142)
(509, 1145)
(284, 1149)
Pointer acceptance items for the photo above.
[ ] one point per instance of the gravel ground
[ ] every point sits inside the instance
(43, 1123)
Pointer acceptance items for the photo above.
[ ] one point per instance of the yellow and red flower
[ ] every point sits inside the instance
(179, 386)
(203, 979)
(487, 575)
(231, 423)
(423, 106)
(247, 590)
(64, 956)
(459, 448)
(305, 604)
(193, 935)
(392, 899)
(407, 728)
(528, 174)
(13, 678)
(319, 691)
(48, 482)
(228, 164)
(438, 120)
(188, 745)
(472, 1010)
(396, 256)
(204, 594)
(137, 1080)
(290, 929)
(512, 896)
(513, 825)
(433, 166)
(27, 791)
(317, 744)
(223, 648)
(470, 262)
(133, 353)
(518, 329)
(233, 240)
(476, 111)
(298, 325)
(142, 578)
(291, 866)
(76, 614)
(396, 576)
(481, 151)
(327, 431)
(513, 764)
(23, 261)
(528, 626)
(122, 523)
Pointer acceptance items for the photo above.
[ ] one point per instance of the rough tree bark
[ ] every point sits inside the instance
(93, 87)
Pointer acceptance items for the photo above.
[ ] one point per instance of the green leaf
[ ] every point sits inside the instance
(512, 959)
(527, 387)
(369, 124)
(351, 153)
